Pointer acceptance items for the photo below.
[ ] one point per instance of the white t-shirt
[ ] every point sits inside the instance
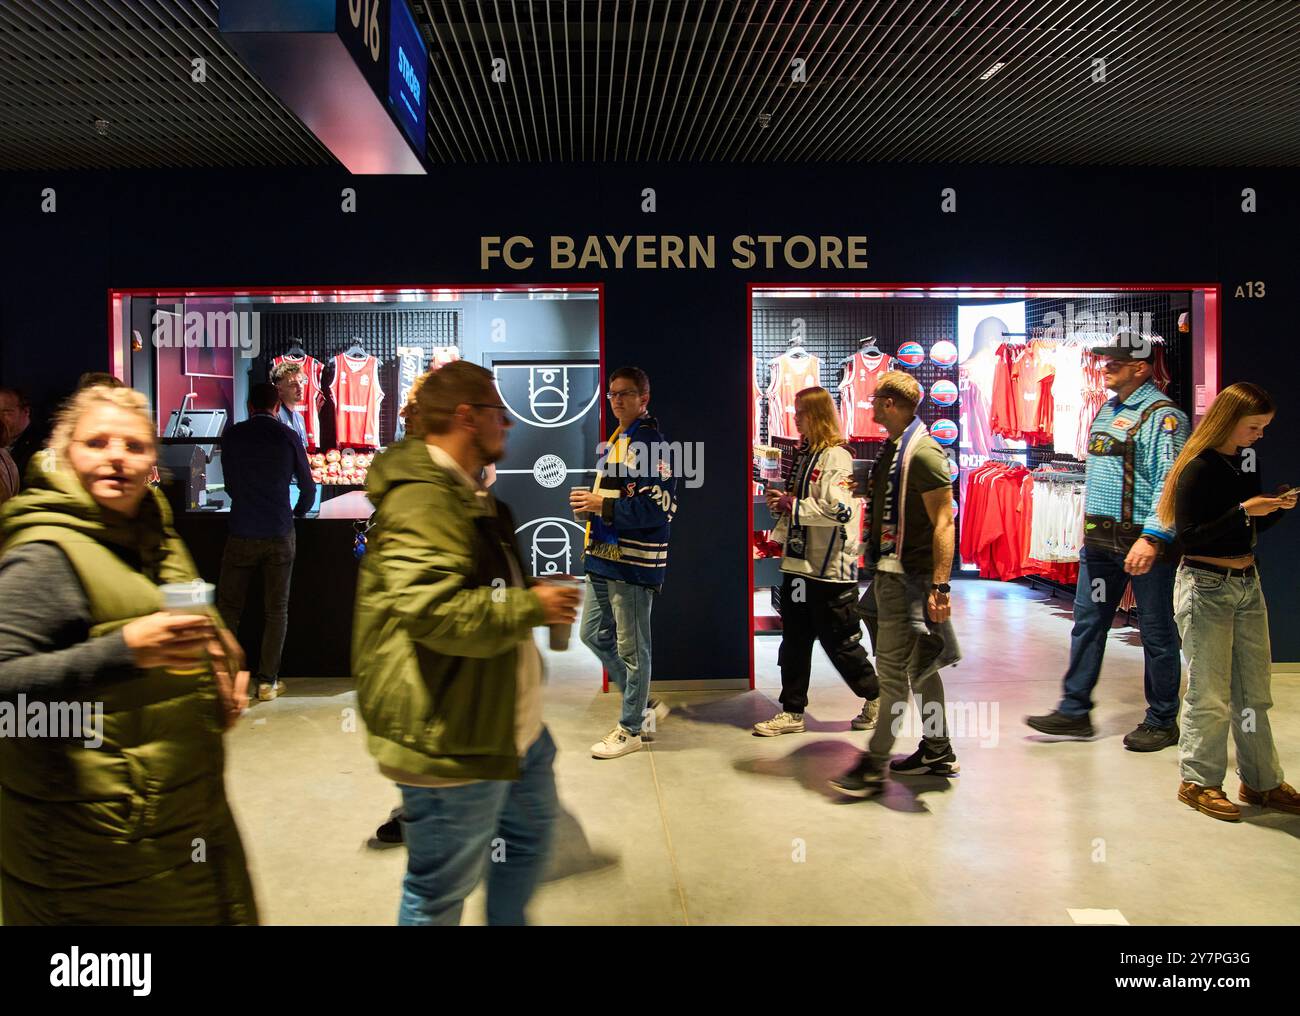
(1067, 394)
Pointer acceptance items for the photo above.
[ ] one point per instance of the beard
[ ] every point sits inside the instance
(488, 456)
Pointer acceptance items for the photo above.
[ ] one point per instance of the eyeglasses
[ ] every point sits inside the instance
(131, 446)
(626, 393)
(500, 407)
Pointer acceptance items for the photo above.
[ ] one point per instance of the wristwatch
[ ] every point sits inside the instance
(1151, 540)
(942, 587)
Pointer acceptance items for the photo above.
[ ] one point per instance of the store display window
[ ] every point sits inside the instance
(345, 361)
(1009, 390)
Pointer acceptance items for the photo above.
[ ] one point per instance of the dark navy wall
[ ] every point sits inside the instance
(687, 328)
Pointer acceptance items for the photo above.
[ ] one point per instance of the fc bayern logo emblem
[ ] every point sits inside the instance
(549, 470)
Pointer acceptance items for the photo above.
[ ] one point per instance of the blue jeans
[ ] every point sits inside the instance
(1224, 624)
(616, 627)
(1096, 598)
(454, 833)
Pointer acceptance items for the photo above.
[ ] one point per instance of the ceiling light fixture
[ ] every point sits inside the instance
(992, 70)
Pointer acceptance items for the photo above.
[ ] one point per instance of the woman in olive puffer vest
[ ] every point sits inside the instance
(125, 821)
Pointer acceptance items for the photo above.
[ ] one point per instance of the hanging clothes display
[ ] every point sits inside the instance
(792, 372)
(862, 372)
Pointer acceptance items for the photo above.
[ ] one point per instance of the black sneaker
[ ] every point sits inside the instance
(863, 780)
(1059, 725)
(925, 762)
(1149, 738)
(391, 830)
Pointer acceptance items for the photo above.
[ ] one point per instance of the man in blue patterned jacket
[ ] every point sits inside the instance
(1132, 444)
(631, 509)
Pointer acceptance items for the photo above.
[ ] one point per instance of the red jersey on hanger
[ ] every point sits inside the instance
(862, 372)
(357, 395)
(791, 374)
(313, 395)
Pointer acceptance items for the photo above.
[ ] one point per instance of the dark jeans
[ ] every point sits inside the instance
(825, 612)
(241, 560)
(1096, 598)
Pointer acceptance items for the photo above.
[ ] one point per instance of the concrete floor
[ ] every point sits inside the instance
(710, 825)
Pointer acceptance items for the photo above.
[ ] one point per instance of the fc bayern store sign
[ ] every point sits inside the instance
(670, 250)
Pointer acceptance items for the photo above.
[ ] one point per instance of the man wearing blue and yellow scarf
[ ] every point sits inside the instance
(631, 508)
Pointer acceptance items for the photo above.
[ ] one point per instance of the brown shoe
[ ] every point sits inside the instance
(1282, 797)
(1210, 801)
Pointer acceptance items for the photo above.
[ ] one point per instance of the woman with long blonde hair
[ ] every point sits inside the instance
(1212, 498)
(819, 522)
(124, 821)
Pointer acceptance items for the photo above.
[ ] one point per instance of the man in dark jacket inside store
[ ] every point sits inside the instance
(448, 676)
(259, 458)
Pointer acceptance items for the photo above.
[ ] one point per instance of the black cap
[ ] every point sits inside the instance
(1127, 347)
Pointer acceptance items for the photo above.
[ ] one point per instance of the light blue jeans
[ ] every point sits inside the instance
(454, 834)
(616, 627)
(1224, 626)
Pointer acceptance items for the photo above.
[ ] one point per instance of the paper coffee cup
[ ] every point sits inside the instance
(194, 597)
(561, 633)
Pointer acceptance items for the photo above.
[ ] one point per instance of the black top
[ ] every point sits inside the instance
(258, 458)
(1207, 506)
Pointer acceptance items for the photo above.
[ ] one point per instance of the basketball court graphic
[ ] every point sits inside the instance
(547, 394)
(553, 545)
(555, 452)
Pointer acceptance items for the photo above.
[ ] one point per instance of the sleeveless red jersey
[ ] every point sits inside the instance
(357, 395)
(858, 387)
(791, 374)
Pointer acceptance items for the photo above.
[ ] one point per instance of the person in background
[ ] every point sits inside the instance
(1212, 499)
(818, 522)
(291, 387)
(98, 378)
(103, 829)
(258, 458)
(25, 439)
(909, 611)
(631, 508)
(9, 479)
(449, 679)
(1132, 444)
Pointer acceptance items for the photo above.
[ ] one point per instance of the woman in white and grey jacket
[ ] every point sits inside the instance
(819, 522)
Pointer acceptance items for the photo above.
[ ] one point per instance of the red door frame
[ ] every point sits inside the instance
(983, 290)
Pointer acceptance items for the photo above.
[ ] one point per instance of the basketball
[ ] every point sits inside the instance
(943, 392)
(943, 353)
(943, 431)
(910, 354)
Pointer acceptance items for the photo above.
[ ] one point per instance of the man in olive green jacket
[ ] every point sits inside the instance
(448, 676)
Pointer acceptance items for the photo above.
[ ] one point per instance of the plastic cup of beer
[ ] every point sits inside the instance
(560, 633)
(194, 597)
(581, 517)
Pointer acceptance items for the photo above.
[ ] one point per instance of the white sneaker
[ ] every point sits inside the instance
(617, 742)
(268, 692)
(781, 723)
(660, 708)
